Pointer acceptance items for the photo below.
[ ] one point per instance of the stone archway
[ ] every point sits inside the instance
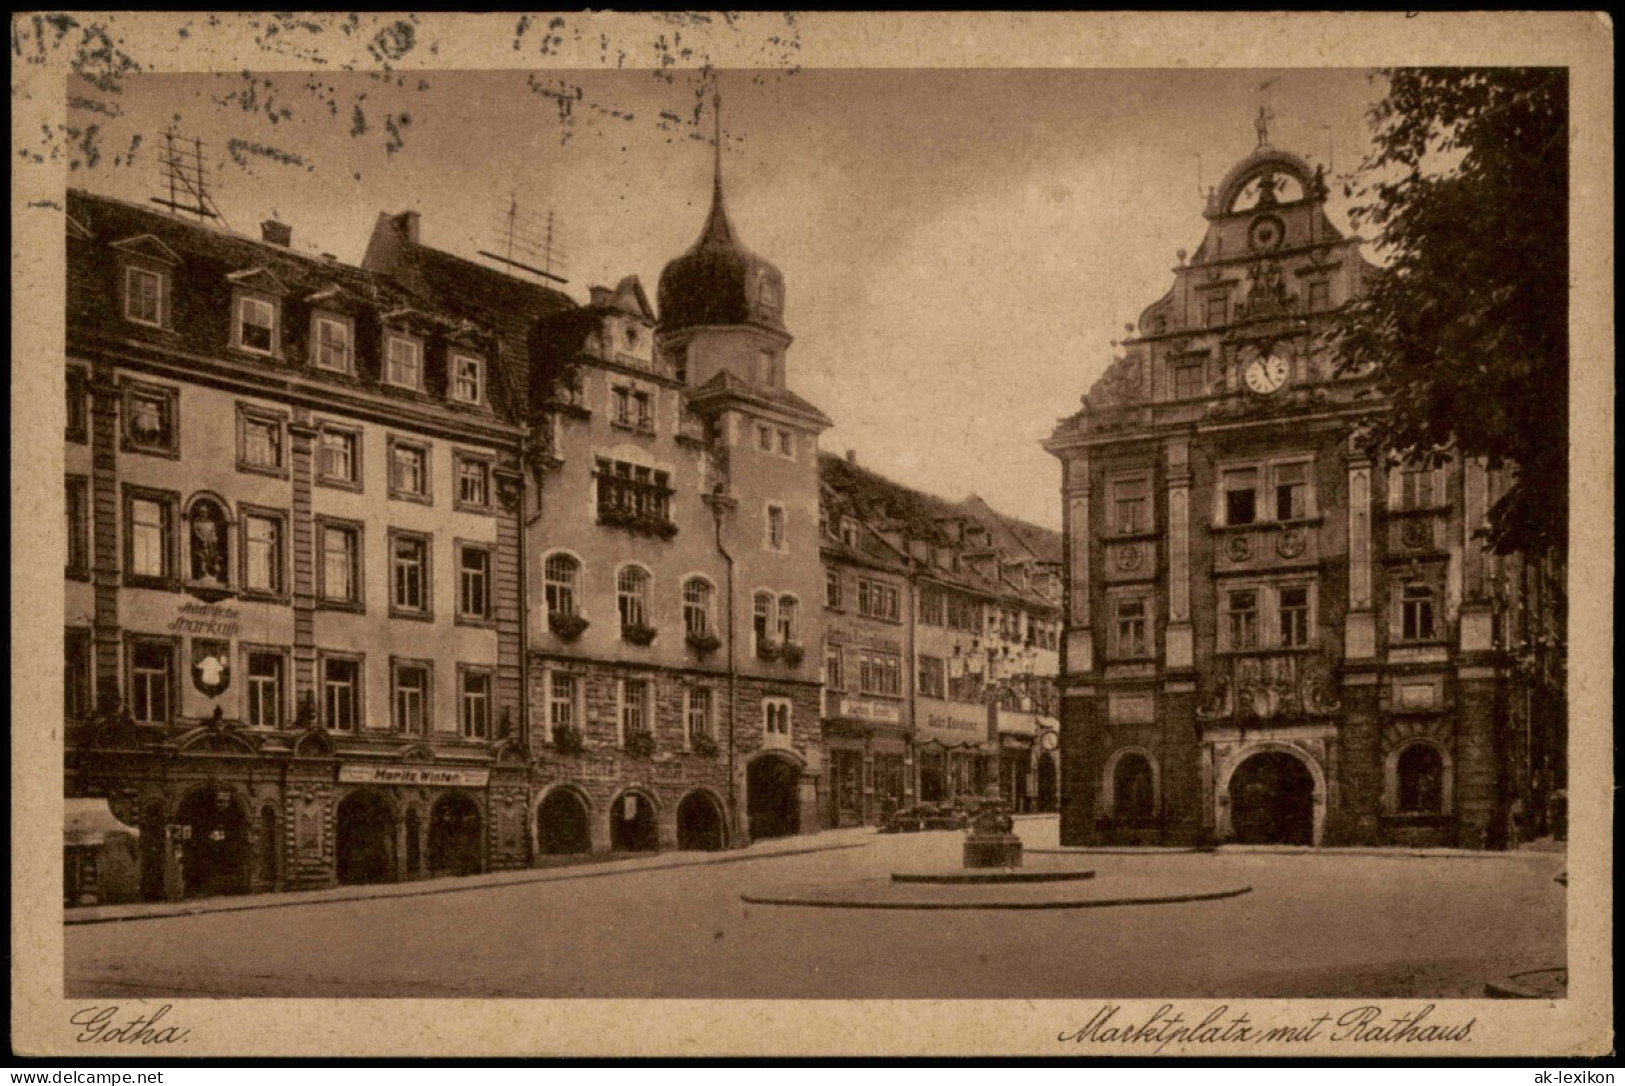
(700, 822)
(773, 796)
(456, 836)
(215, 844)
(365, 833)
(1275, 797)
(563, 824)
(632, 823)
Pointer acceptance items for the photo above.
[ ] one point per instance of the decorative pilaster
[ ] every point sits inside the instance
(1477, 608)
(1359, 627)
(1079, 634)
(1180, 643)
(301, 443)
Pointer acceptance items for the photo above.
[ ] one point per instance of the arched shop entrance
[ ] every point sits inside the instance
(699, 823)
(214, 843)
(632, 826)
(365, 831)
(1046, 782)
(773, 797)
(1272, 801)
(561, 824)
(455, 831)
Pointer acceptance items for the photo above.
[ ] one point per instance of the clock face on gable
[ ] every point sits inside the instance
(1265, 374)
(1266, 233)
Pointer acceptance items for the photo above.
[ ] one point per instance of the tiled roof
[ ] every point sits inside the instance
(726, 384)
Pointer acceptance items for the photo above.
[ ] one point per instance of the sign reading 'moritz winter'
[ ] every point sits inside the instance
(413, 774)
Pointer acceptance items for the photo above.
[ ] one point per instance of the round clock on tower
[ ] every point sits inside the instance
(1266, 374)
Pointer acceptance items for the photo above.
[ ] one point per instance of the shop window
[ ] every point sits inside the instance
(560, 576)
(341, 693)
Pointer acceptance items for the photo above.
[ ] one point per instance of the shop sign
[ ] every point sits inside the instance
(413, 775)
(215, 619)
(870, 710)
(211, 666)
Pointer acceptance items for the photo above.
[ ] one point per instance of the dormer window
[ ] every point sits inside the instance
(256, 325)
(403, 365)
(772, 296)
(331, 349)
(467, 379)
(144, 296)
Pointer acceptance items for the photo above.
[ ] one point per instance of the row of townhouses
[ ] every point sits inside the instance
(414, 568)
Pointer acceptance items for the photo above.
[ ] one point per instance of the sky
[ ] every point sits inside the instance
(960, 247)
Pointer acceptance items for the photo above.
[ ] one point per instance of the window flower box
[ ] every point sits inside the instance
(638, 634)
(792, 653)
(566, 627)
(769, 650)
(704, 644)
(567, 740)
(703, 745)
(640, 745)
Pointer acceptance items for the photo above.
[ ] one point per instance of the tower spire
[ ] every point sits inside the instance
(717, 231)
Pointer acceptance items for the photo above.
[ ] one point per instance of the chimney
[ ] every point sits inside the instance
(407, 223)
(276, 233)
(852, 457)
(601, 296)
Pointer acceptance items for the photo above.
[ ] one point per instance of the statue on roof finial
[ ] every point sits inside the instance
(1262, 124)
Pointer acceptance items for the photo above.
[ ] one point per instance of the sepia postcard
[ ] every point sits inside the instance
(797, 535)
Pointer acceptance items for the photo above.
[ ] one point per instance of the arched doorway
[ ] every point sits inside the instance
(215, 847)
(773, 799)
(1046, 782)
(455, 831)
(1133, 789)
(1272, 801)
(366, 838)
(699, 823)
(561, 824)
(632, 825)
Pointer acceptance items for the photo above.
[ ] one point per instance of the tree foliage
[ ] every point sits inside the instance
(1466, 327)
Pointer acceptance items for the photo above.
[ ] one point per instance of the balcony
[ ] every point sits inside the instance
(640, 507)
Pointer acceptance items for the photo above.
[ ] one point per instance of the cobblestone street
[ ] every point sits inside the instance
(1326, 924)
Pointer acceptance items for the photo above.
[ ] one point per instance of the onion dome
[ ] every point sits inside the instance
(719, 281)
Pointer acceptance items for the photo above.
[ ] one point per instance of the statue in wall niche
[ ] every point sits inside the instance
(208, 541)
(1217, 704)
(1317, 690)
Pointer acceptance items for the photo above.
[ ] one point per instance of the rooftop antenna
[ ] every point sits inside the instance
(1331, 150)
(532, 239)
(182, 169)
